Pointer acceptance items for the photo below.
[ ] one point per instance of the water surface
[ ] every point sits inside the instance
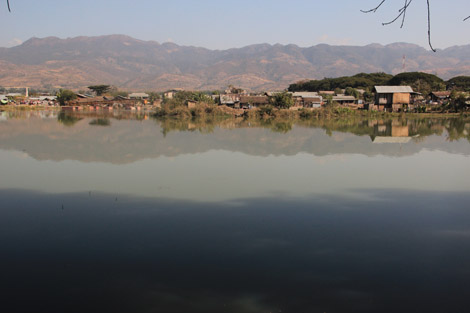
(130, 214)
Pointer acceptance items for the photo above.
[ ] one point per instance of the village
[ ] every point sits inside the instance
(375, 98)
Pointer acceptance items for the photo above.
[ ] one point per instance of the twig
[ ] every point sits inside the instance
(402, 13)
(429, 28)
(374, 9)
(8, 4)
(466, 18)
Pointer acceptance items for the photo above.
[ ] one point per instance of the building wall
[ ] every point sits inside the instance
(401, 98)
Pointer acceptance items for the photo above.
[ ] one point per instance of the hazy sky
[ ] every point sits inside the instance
(226, 24)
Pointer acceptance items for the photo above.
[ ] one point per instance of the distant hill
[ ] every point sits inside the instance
(147, 65)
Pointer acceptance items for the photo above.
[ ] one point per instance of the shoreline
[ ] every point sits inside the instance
(224, 111)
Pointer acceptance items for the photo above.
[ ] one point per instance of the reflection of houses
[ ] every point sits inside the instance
(440, 97)
(307, 99)
(392, 98)
(391, 132)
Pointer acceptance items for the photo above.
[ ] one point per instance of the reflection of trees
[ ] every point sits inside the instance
(101, 122)
(201, 125)
(67, 119)
(395, 127)
(458, 129)
(277, 125)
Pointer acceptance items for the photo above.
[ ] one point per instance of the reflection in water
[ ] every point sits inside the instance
(373, 252)
(67, 119)
(100, 122)
(233, 215)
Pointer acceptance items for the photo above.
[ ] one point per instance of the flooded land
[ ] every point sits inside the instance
(129, 213)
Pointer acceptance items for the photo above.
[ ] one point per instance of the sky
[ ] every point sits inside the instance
(225, 24)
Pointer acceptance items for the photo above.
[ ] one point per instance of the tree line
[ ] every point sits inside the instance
(420, 82)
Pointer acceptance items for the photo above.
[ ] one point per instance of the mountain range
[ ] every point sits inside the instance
(132, 64)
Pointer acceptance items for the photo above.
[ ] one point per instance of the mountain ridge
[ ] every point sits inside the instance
(135, 64)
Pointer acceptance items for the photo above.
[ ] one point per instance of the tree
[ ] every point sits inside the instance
(351, 92)
(420, 82)
(402, 14)
(99, 89)
(282, 100)
(461, 83)
(65, 95)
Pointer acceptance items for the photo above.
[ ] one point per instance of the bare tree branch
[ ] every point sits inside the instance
(8, 4)
(374, 9)
(402, 13)
(429, 28)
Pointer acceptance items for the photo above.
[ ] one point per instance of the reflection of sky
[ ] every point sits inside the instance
(315, 225)
(221, 175)
(388, 251)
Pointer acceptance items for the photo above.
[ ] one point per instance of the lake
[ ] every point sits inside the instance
(126, 213)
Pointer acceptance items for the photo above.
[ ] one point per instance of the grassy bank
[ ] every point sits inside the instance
(270, 112)
(12, 108)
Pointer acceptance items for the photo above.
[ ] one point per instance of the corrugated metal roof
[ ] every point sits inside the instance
(305, 94)
(138, 95)
(393, 89)
(441, 93)
(344, 98)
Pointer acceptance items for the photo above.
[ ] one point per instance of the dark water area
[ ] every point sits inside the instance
(377, 252)
(107, 215)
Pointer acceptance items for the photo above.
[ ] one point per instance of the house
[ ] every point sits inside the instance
(230, 100)
(170, 94)
(326, 92)
(191, 104)
(439, 97)
(392, 98)
(307, 99)
(253, 101)
(47, 98)
(83, 96)
(344, 100)
(138, 96)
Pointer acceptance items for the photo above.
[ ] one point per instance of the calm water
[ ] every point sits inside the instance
(124, 213)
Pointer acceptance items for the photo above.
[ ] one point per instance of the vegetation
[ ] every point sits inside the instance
(65, 95)
(119, 93)
(358, 81)
(99, 90)
(100, 122)
(420, 82)
(182, 97)
(460, 83)
(153, 96)
(282, 100)
(67, 119)
(423, 83)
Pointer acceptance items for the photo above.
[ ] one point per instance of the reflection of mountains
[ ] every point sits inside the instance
(125, 141)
